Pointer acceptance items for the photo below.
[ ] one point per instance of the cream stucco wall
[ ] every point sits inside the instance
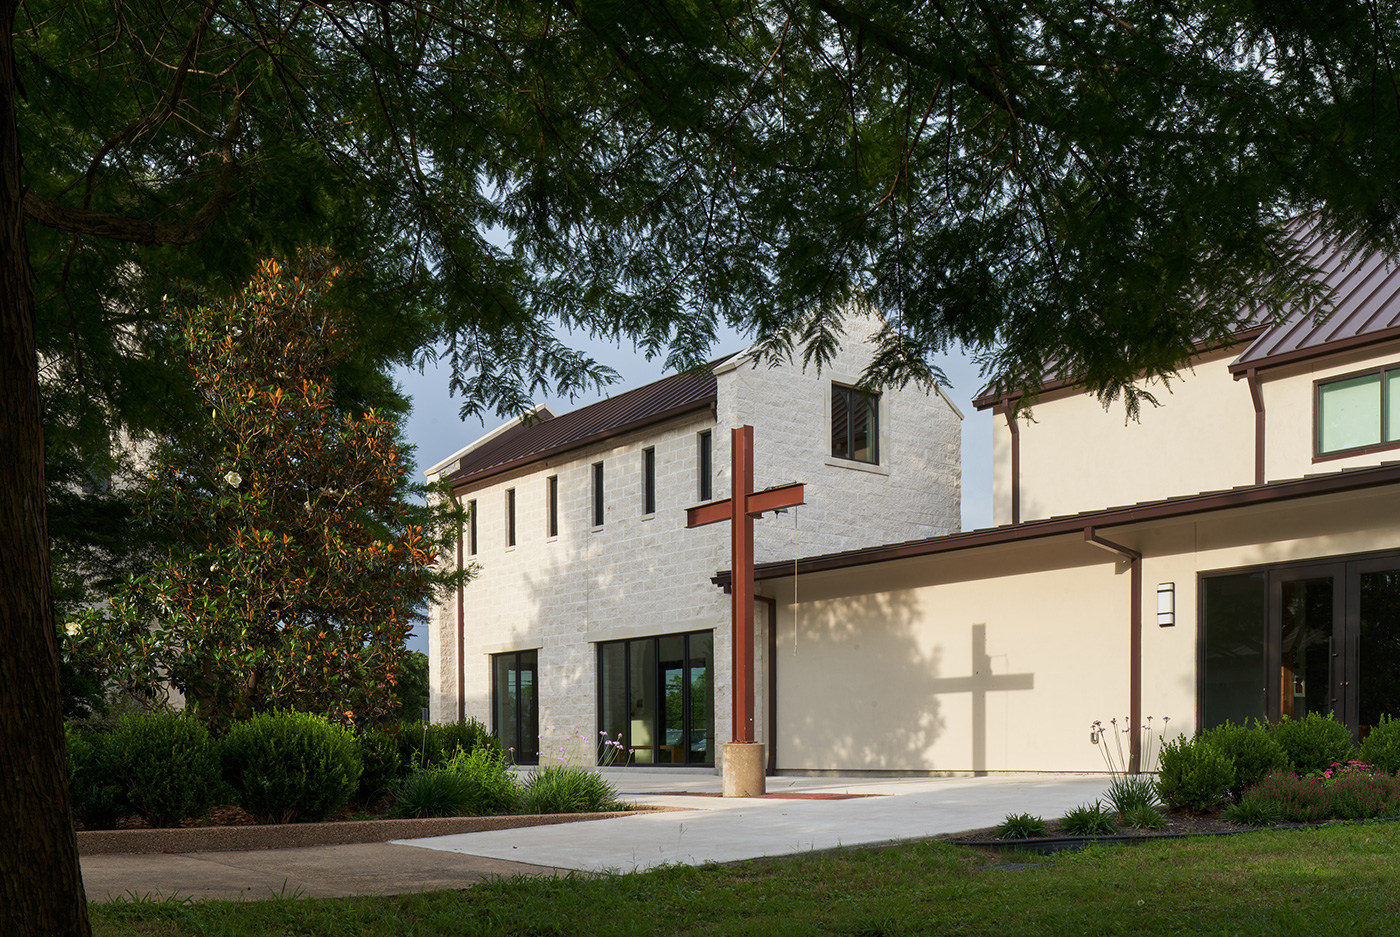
(879, 667)
(1078, 456)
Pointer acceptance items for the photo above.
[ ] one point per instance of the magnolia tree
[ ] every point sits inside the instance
(300, 552)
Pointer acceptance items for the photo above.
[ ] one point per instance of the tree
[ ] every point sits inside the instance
(298, 558)
(1081, 187)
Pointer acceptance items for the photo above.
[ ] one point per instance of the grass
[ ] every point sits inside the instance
(1329, 880)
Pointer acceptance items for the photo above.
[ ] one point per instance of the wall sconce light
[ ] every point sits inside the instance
(1166, 604)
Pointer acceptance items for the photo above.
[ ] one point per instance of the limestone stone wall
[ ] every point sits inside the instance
(638, 575)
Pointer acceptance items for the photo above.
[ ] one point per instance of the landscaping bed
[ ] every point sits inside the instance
(233, 837)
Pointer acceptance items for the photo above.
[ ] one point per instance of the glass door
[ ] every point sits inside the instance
(1371, 685)
(1308, 642)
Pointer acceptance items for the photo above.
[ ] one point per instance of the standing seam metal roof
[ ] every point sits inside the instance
(1365, 293)
(526, 443)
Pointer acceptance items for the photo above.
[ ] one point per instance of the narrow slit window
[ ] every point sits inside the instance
(597, 494)
(552, 495)
(704, 465)
(510, 517)
(649, 481)
(471, 527)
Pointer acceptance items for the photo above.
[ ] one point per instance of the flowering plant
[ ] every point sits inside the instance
(1341, 768)
(1114, 755)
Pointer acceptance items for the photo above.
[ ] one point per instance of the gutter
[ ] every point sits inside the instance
(1134, 559)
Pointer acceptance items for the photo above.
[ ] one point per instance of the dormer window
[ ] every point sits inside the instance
(1358, 412)
(855, 424)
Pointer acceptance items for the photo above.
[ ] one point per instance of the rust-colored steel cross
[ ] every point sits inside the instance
(740, 508)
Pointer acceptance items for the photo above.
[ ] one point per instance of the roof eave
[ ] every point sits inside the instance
(623, 429)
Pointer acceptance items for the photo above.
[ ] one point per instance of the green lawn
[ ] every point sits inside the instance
(1337, 880)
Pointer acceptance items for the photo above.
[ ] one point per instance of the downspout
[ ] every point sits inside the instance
(461, 637)
(1008, 405)
(1134, 644)
(771, 695)
(1256, 394)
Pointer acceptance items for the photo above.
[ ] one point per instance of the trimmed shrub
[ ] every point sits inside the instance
(1086, 820)
(1314, 742)
(569, 789)
(1252, 751)
(1020, 826)
(433, 744)
(1128, 792)
(1194, 775)
(1295, 799)
(164, 765)
(1381, 747)
(289, 766)
(96, 799)
(381, 765)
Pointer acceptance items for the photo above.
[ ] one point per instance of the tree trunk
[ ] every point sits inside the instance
(41, 886)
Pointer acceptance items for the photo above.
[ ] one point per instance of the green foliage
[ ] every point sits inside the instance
(1252, 751)
(412, 686)
(96, 801)
(298, 555)
(1144, 817)
(1314, 742)
(1361, 796)
(1194, 774)
(1254, 811)
(475, 783)
(164, 765)
(1088, 820)
(423, 745)
(1129, 792)
(289, 766)
(432, 793)
(1292, 798)
(568, 789)
(382, 766)
(1020, 826)
(1381, 747)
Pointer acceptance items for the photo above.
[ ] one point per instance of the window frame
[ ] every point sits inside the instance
(1387, 372)
(471, 528)
(552, 506)
(648, 481)
(690, 657)
(510, 518)
(518, 753)
(599, 505)
(871, 400)
(705, 465)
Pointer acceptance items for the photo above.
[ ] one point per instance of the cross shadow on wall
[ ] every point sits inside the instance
(862, 689)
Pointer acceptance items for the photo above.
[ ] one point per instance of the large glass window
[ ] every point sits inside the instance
(515, 704)
(1378, 691)
(855, 424)
(656, 697)
(1233, 615)
(1358, 412)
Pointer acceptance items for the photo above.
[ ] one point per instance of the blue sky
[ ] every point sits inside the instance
(435, 431)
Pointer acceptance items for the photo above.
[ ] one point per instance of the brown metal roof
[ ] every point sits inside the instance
(530, 442)
(1365, 292)
(1365, 295)
(1244, 496)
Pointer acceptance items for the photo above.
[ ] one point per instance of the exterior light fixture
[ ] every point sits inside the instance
(1166, 604)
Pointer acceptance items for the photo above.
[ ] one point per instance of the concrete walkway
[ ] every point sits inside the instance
(715, 829)
(695, 830)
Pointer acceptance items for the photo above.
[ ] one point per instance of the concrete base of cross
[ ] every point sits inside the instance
(744, 769)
